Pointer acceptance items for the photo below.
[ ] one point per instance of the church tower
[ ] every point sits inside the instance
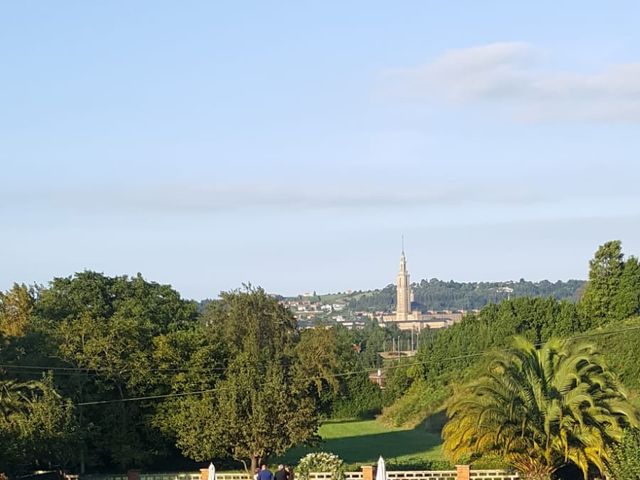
(403, 291)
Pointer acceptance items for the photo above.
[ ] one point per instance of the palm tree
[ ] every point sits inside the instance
(15, 396)
(541, 409)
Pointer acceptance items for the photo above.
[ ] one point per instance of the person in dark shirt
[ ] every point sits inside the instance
(265, 473)
(281, 474)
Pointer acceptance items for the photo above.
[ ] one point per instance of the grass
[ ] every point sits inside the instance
(362, 441)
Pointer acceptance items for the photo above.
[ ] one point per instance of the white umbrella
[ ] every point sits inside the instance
(381, 472)
(212, 472)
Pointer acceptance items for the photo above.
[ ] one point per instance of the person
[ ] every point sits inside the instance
(281, 473)
(265, 473)
(289, 471)
(256, 473)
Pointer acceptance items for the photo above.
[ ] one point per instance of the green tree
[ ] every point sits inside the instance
(261, 405)
(319, 356)
(359, 398)
(14, 396)
(605, 272)
(105, 329)
(398, 380)
(16, 306)
(541, 409)
(626, 302)
(38, 429)
(339, 361)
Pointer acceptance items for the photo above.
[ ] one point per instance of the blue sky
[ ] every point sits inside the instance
(290, 144)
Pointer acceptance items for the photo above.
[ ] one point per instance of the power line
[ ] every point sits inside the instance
(149, 397)
(355, 372)
(96, 371)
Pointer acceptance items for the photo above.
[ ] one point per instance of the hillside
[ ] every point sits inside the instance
(438, 294)
(493, 327)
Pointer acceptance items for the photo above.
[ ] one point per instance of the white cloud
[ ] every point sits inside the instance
(466, 198)
(302, 195)
(513, 76)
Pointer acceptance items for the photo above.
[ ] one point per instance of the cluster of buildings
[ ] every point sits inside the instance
(309, 309)
(408, 319)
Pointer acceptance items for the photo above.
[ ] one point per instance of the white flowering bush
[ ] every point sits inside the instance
(322, 462)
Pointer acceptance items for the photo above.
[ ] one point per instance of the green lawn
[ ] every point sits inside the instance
(361, 442)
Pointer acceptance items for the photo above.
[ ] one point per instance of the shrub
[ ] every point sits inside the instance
(321, 462)
(625, 457)
(419, 401)
(418, 463)
(360, 399)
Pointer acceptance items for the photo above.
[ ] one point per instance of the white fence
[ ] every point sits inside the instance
(391, 475)
(422, 475)
(172, 476)
(494, 475)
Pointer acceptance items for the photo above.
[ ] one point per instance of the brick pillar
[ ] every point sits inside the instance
(463, 472)
(204, 474)
(133, 475)
(367, 472)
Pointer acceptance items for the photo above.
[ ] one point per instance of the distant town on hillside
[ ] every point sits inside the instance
(354, 308)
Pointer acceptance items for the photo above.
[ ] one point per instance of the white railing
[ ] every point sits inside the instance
(494, 475)
(170, 476)
(353, 475)
(422, 475)
(104, 477)
(391, 475)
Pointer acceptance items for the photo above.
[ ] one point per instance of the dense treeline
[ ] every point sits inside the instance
(75, 353)
(437, 294)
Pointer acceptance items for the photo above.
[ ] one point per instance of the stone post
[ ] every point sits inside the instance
(204, 474)
(367, 472)
(463, 472)
(133, 474)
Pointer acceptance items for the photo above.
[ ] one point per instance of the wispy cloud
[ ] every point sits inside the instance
(515, 77)
(297, 196)
(194, 198)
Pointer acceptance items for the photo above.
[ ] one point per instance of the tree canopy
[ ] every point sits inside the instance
(258, 407)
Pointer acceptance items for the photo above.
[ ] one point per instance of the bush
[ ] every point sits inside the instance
(625, 457)
(361, 399)
(418, 463)
(398, 381)
(491, 462)
(321, 462)
(420, 401)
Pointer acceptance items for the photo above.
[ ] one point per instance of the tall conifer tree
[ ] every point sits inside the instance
(605, 272)
(626, 303)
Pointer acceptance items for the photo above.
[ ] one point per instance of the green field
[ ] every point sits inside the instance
(361, 442)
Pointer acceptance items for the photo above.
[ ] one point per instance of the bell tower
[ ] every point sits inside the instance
(403, 290)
